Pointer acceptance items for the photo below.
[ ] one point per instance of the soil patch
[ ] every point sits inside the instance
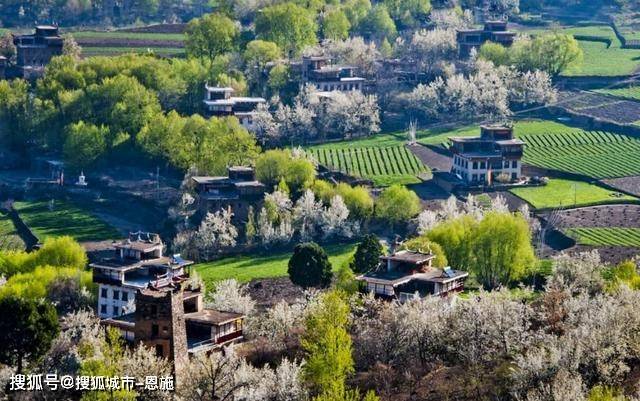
(268, 292)
(627, 184)
(597, 216)
(435, 157)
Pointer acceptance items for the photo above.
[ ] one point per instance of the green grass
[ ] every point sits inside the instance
(127, 35)
(382, 158)
(598, 59)
(631, 92)
(605, 236)
(247, 268)
(564, 193)
(595, 154)
(9, 238)
(64, 219)
(112, 51)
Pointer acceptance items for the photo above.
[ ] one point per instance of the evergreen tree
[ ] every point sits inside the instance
(367, 255)
(309, 266)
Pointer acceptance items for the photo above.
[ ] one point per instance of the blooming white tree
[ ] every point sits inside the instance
(215, 232)
(334, 220)
(351, 114)
(307, 215)
(429, 50)
(427, 220)
(499, 204)
(230, 296)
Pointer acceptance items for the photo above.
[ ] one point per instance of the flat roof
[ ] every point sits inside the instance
(219, 88)
(249, 184)
(204, 179)
(129, 264)
(212, 316)
(409, 256)
(514, 141)
(249, 99)
(396, 278)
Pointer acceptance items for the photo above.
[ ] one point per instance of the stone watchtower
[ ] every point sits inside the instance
(160, 325)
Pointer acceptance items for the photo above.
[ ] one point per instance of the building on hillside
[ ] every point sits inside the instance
(3, 67)
(493, 31)
(219, 101)
(237, 192)
(318, 71)
(34, 51)
(410, 274)
(171, 319)
(137, 264)
(494, 155)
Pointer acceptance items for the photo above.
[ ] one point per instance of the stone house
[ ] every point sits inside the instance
(493, 31)
(219, 101)
(408, 274)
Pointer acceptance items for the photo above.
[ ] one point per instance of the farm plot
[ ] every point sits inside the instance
(630, 92)
(64, 218)
(9, 238)
(383, 165)
(601, 106)
(595, 154)
(609, 236)
(119, 42)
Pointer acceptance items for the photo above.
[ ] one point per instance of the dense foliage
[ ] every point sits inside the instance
(309, 266)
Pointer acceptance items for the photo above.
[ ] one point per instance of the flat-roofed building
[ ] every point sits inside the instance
(408, 274)
(34, 51)
(138, 263)
(493, 31)
(325, 77)
(481, 160)
(237, 192)
(219, 101)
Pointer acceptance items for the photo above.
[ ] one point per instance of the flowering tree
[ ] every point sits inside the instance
(230, 296)
(216, 232)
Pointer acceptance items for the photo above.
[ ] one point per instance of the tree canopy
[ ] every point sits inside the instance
(367, 255)
(211, 35)
(396, 204)
(309, 266)
(290, 26)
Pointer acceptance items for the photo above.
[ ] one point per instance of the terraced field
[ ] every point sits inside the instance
(631, 92)
(383, 165)
(119, 42)
(609, 236)
(596, 154)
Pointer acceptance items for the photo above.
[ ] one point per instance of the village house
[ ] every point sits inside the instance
(409, 274)
(317, 71)
(495, 154)
(219, 101)
(137, 263)
(238, 191)
(34, 51)
(493, 31)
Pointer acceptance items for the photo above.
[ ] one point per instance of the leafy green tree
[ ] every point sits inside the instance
(397, 204)
(15, 112)
(299, 175)
(378, 24)
(495, 53)
(84, 144)
(61, 251)
(278, 77)
(367, 255)
(409, 13)
(358, 200)
(335, 25)
(455, 237)
(552, 53)
(211, 35)
(291, 26)
(323, 190)
(27, 329)
(501, 249)
(328, 345)
(256, 56)
(272, 165)
(309, 266)
(356, 11)
(424, 244)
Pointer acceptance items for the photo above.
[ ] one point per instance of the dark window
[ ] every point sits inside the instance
(125, 296)
(474, 177)
(116, 294)
(103, 293)
(506, 164)
(159, 350)
(482, 177)
(475, 165)
(483, 165)
(116, 310)
(154, 329)
(514, 164)
(103, 308)
(514, 176)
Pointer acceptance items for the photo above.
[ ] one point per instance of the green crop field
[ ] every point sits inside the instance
(631, 92)
(384, 165)
(564, 194)
(605, 236)
(9, 238)
(127, 35)
(64, 219)
(247, 268)
(595, 154)
(88, 51)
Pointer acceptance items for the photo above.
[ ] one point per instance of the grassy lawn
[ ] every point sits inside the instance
(631, 92)
(9, 238)
(127, 35)
(605, 236)
(114, 51)
(564, 193)
(598, 59)
(64, 219)
(247, 268)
